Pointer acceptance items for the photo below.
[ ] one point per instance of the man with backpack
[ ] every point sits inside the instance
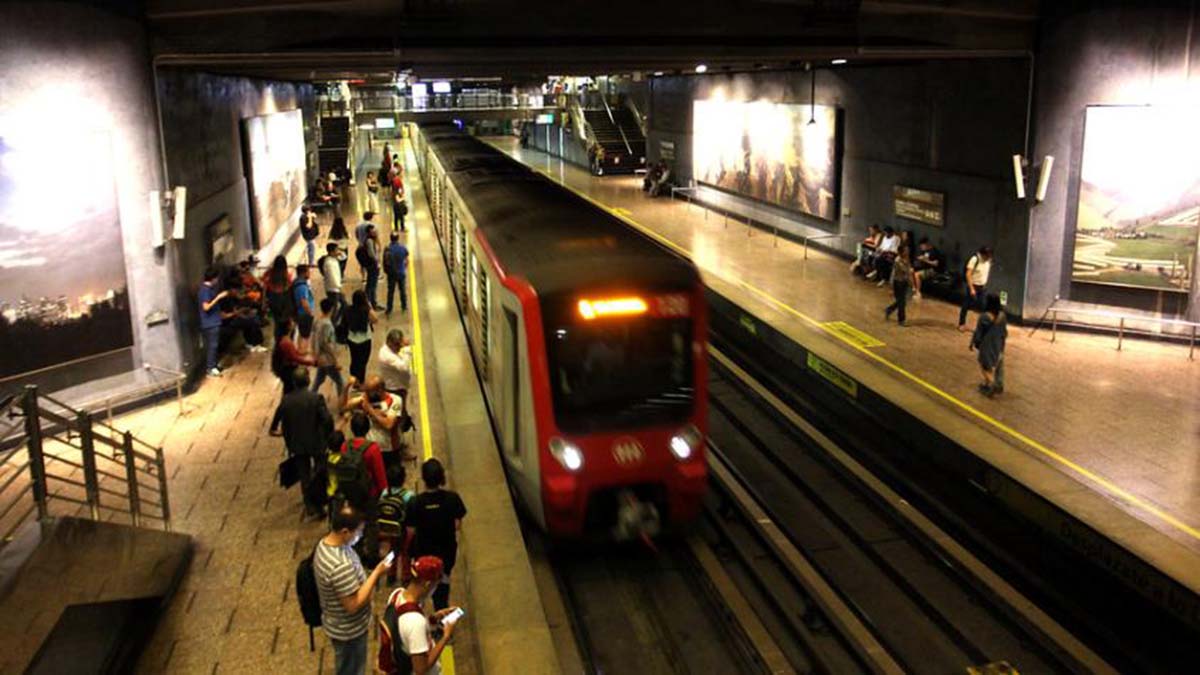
(356, 474)
(343, 590)
(306, 423)
(331, 271)
(406, 642)
(390, 510)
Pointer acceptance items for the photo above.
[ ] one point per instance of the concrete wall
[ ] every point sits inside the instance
(70, 66)
(1101, 52)
(201, 115)
(948, 126)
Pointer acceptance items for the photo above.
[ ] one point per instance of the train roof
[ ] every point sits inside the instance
(553, 238)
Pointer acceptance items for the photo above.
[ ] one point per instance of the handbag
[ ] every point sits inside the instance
(289, 471)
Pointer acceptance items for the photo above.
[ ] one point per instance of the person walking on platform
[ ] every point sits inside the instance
(338, 235)
(345, 590)
(975, 280)
(432, 521)
(305, 304)
(286, 357)
(303, 420)
(210, 319)
(331, 272)
(309, 231)
(360, 321)
(901, 275)
(325, 348)
(991, 334)
(395, 265)
(406, 636)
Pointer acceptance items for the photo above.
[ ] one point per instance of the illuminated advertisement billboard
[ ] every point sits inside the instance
(1139, 198)
(275, 149)
(769, 152)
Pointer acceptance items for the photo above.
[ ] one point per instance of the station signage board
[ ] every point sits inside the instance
(923, 206)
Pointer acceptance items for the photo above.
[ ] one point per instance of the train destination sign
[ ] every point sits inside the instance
(922, 206)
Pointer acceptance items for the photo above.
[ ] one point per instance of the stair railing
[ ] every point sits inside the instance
(60, 461)
(628, 148)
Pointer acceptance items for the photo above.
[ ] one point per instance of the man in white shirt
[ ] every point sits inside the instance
(332, 273)
(395, 362)
(885, 255)
(975, 278)
(384, 410)
(404, 630)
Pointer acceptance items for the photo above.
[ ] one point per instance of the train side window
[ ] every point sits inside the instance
(512, 364)
(484, 320)
(474, 282)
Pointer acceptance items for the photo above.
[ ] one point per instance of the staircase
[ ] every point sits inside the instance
(334, 151)
(87, 561)
(623, 143)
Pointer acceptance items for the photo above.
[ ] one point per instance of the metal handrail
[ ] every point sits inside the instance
(1121, 318)
(628, 147)
(75, 435)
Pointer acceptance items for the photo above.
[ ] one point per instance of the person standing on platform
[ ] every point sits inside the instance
(406, 644)
(331, 272)
(286, 357)
(372, 191)
(338, 235)
(210, 319)
(369, 258)
(325, 348)
(305, 303)
(901, 275)
(309, 231)
(278, 284)
(395, 265)
(306, 423)
(382, 409)
(991, 334)
(360, 321)
(975, 278)
(432, 521)
(395, 363)
(345, 590)
(362, 230)
(399, 208)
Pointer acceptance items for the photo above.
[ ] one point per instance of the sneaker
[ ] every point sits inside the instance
(258, 349)
(872, 274)
(887, 313)
(881, 282)
(916, 296)
(215, 372)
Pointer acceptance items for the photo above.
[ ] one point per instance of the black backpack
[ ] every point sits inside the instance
(364, 259)
(391, 509)
(348, 476)
(308, 596)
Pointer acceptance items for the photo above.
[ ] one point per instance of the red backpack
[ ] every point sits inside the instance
(393, 659)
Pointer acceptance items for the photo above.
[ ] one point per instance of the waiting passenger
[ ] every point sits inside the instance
(210, 319)
(359, 320)
(406, 637)
(399, 208)
(309, 231)
(325, 348)
(432, 522)
(885, 254)
(278, 283)
(866, 251)
(303, 420)
(369, 256)
(395, 266)
(991, 334)
(345, 590)
(372, 191)
(238, 317)
(340, 236)
(662, 184)
(389, 513)
(331, 272)
(385, 411)
(362, 230)
(305, 303)
(395, 363)
(650, 179)
(930, 262)
(286, 357)
(975, 278)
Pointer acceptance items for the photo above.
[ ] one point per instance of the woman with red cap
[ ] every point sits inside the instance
(405, 634)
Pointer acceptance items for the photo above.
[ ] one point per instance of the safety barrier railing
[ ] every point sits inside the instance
(608, 109)
(1122, 327)
(62, 461)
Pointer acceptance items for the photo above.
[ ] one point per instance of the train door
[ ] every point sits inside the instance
(511, 389)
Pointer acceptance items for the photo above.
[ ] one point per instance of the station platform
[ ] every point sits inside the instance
(236, 610)
(1110, 437)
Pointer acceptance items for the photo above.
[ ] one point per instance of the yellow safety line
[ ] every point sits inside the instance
(447, 657)
(1108, 485)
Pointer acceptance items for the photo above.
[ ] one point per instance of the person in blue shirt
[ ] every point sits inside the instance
(210, 318)
(303, 299)
(395, 265)
(361, 231)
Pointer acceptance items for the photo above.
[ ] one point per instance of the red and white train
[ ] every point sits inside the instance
(588, 337)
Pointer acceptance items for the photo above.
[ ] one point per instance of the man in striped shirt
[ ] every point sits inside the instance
(345, 590)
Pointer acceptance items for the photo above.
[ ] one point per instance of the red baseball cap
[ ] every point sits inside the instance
(428, 568)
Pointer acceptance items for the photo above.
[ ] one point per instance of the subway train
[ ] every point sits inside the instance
(589, 340)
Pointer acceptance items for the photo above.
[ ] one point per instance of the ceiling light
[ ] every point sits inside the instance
(701, 68)
(838, 62)
(658, 73)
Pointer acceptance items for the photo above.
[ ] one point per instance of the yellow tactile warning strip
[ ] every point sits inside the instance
(1111, 488)
(851, 334)
(447, 657)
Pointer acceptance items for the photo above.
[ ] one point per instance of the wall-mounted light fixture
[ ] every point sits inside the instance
(1044, 178)
(1019, 175)
(812, 94)
(1019, 164)
(838, 62)
(701, 68)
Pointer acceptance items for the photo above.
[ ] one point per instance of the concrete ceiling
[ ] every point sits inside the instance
(514, 39)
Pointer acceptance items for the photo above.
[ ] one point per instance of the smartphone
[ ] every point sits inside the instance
(389, 558)
(453, 616)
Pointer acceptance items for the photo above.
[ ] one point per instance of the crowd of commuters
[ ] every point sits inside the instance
(349, 458)
(889, 257)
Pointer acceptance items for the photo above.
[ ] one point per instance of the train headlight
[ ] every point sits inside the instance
(685, 443)
(567, 454)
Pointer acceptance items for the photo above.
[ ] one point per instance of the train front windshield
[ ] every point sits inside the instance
(621, 372)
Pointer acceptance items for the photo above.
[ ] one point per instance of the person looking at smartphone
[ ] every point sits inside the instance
(406, 635)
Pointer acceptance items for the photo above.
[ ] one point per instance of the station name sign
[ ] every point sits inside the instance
(922, 206)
